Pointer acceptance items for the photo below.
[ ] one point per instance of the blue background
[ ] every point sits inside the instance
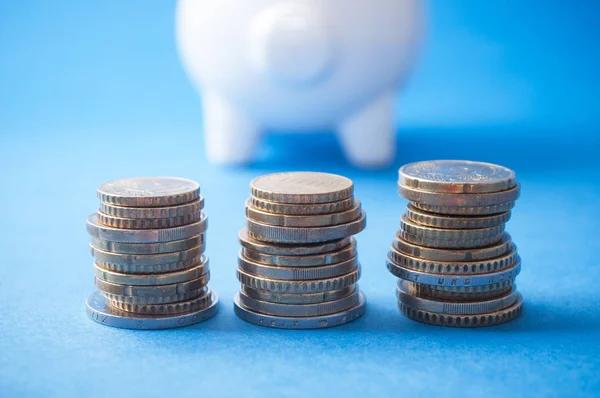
(93, 90)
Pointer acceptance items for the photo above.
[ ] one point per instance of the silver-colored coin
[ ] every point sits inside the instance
(149, 248)
(302, 210)
(422, 217)
(313, 286)
(456, 176)
(451, 280)
(488, 319)
(101, 312)
(302, 187)
(148, 223)
(102, 256)
(148, 263)
(297, 273)
(317, 322)
(460, 199)
(292, 310)
(449, 244)
(104, 232)
(150, 269)
(466, 210)
(250, 242)
(155, 300)
(298, 298)
(271, 233)
(317, 260)
(152, 279)
(321, 220)
(149, 191)
(153, 212)
(412, 228)
(152, 291)
(457, 255)
(454, 307)
(202, 301)
(462, 293)
(446, 267)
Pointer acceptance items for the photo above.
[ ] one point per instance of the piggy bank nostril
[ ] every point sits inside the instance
(291, 43)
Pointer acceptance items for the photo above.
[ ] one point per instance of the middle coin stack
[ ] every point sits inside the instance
(298, 265)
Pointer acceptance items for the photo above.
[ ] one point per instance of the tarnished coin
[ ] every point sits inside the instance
(448, 244)
(136, 263)
(462, 267)
(458, 255)
(302, 210)
(153, 279)
(460, 199)
(154, 300)
(195, 304)
(153, 212)
(271, 233)
(302, 187)
(412, 228)
(148, 223)
(488, 319)
(454, 307)
(302, 298)
(456, 176)
(453, 280)
(313, 286)
(321, 220)
(316, 260)
(152, 291)
(101, 312)
(303, 310)
(462, 293)
(149, 191)
(422, 217)
(149, 248)
(297, 273)
(466, 211)
(250, 242)
(316, 322)
(104, 232)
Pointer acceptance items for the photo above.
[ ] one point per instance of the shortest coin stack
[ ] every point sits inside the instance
(456, 264)
(298, 265)
(148, 241)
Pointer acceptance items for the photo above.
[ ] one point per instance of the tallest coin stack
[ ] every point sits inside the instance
(456, 264)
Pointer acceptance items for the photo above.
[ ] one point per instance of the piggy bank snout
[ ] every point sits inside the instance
(292, 43)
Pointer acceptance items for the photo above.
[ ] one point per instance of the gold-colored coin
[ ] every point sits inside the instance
(148, 223)
(456, 176)
(489, 319)
(434, 220)
(302, 187)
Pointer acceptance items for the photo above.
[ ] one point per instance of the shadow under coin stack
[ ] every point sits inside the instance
(298, 265)
(456, 264)
(148, 241)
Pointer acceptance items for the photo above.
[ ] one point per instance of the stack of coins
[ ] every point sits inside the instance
(456, 264)
(298, 265)
(148, 240)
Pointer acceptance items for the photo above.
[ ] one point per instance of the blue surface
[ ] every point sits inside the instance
(93, 92)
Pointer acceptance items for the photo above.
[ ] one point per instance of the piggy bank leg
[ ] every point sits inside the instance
(368, 137)
(230, 136)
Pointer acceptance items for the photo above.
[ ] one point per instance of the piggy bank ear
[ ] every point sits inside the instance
(291, 42)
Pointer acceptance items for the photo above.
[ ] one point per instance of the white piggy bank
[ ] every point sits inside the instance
(300, 65)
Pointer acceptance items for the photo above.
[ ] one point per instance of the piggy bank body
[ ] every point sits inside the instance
(299, 65)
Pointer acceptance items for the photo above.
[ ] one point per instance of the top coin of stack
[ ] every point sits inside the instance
(298, 265)
(456, 264)
(148, 240)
